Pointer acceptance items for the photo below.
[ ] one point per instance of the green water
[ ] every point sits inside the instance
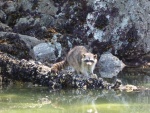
(22, 98)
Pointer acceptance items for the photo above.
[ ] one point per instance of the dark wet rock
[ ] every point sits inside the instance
(75, 16)
(9, 6)
(68, 42)
(42, 6)
(26, 5)
(17, 45)
(109, 65)
(101, 22)
(46, 7)
(2, 16)
(131, 50)
(4, 27)
(101, 47)
(21, 69)
(29, 26)
(47, 20)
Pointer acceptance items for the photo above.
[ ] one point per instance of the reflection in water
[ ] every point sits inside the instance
(22, 98)
(74, 101)
(111, 72)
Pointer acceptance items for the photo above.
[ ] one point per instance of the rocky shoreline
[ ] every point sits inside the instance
(39, 74)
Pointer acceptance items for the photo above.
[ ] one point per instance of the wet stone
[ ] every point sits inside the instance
(2, 16)
(110, 65)
(66, 80)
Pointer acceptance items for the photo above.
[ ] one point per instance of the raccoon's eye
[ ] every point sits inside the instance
(83, 55)
(95, 56)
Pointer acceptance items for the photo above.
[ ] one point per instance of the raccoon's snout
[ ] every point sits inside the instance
(89, 61)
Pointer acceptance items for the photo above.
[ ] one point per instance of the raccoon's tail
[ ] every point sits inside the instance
(58, 66)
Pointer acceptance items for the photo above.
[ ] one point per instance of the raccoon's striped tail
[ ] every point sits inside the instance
(58, 66)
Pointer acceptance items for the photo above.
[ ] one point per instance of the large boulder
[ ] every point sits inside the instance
(18, 45)
(46, 52)
(109, 65)
(126, 28)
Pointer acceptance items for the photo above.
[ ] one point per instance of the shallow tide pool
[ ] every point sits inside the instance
(22, 98)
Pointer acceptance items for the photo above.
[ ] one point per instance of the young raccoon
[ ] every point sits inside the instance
(80, 59)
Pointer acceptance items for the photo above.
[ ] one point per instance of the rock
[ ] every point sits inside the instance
(56, 44)
(101, 22)
(124, 31)
(30, 26)
(46, 7)
(42, 6)
(34, 26)
(2, 16)
(30, 41)
(47, 20)
(47, 52)
(9, 7)
(4, 27)
(128, 88)
(17, 45)
(26, 5)
(109, 65)
(126, 27)
(37, 73)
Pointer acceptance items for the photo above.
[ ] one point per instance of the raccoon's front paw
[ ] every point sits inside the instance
(94, 76)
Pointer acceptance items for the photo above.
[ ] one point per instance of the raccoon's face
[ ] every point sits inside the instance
(89, 59)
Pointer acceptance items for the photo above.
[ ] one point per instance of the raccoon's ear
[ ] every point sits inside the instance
(95, 56)
(83, 55)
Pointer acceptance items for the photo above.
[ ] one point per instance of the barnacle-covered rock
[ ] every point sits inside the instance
(32, 27)
(37, 73)
(17, 45)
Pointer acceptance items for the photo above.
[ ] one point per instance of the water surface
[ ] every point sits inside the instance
(22, 98)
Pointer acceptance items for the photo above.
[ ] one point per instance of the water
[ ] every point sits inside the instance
(22, 98)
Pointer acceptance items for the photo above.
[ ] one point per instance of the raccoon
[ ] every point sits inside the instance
(80, 59)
